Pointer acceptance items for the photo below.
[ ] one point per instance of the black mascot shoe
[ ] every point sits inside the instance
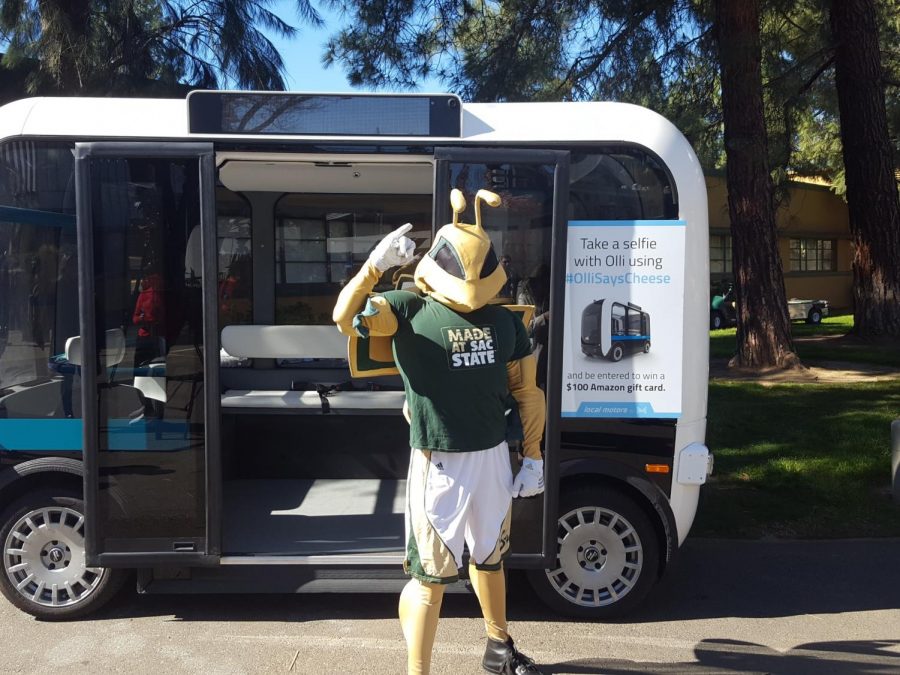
(503, 658)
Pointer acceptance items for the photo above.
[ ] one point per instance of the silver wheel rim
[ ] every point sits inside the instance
(43, 557)
(599, 557)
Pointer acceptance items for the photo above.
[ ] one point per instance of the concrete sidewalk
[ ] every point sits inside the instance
(727, 607)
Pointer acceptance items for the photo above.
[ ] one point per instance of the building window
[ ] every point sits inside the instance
(720, 253)
(813, 255)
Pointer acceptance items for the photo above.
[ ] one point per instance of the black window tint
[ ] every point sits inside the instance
(590, 322)
(520, 228)
(38, 282)
(618, 319)
(620, 184)
(148, 322)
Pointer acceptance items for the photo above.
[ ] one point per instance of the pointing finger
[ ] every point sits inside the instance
(403, 229)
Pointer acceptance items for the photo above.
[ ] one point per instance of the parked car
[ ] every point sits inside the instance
(811, 311)
(723, 310)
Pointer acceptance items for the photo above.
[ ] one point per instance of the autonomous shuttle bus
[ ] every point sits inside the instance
(175, 400)
(614, 329)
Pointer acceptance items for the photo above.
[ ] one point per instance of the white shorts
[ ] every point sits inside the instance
(452, 499)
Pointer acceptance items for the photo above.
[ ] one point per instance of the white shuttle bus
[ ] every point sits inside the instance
(613, 329)
(175, 400)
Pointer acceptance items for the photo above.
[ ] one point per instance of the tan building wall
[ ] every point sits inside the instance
(811, 213)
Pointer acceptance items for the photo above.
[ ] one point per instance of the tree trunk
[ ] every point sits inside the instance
(763, 327)
(871, 186)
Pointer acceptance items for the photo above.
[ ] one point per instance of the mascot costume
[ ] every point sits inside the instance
(465, 364)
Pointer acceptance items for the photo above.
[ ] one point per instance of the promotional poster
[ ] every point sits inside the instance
(623, 319)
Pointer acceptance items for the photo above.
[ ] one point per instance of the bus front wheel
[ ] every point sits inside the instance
(607, 556)
(617, 352)
(44, 571)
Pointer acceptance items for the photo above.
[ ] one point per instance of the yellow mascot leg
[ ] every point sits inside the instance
(420, 608)
(490, 587)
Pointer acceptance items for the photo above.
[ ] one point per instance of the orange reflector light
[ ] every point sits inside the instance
(656, 468)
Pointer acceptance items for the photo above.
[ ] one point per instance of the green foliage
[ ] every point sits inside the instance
(818, 466)
(656, 53)
(126, 46)
(811, 348)
(801, 87)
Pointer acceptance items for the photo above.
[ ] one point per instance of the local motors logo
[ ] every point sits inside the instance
(470, 347)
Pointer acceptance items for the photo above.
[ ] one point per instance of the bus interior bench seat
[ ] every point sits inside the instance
(300, 342)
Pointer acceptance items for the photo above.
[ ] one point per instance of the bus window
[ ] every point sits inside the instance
(38, 280)
(634, 322)
(150, 405)
(322, 239)
(621, 184)
(521, 231)
(520, 228)
(235, 282)
(618, 319)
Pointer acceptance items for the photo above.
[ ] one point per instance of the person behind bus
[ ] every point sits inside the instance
(460, 359)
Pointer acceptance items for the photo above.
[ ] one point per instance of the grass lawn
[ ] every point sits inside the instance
(800, 460)
(823, 342)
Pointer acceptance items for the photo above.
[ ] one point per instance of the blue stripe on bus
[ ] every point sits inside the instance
(618, 409)
(40, 434)
(65, 435)
(630, 337)
(14, 214)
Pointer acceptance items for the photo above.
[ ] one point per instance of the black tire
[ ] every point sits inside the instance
(814, 316)
(716, 320)
(92, 590)
(647, 347)
(617, 352)
(566, 589)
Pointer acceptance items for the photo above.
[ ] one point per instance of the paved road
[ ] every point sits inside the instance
(728, 607)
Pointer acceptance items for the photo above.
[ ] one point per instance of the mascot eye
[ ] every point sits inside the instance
(447, 260)
(490, 263)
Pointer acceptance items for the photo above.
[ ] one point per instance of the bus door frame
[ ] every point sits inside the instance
(444, 157)
(204, 153)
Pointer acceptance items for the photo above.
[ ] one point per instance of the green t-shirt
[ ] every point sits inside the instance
(453, 366)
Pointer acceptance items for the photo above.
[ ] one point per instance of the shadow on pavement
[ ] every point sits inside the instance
(761, 579)
(710, 579)
(732, 656)
(753, 579)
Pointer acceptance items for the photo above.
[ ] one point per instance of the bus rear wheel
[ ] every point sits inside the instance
(607, 556)
(44, 572)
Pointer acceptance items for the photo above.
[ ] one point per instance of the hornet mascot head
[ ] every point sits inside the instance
(462, 270)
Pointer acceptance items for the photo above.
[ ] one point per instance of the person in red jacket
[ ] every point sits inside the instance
(149, 316)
